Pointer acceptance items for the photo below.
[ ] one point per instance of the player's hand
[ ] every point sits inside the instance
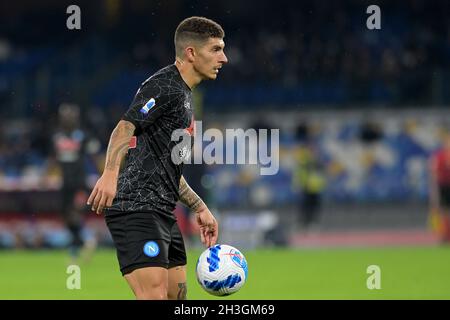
(209, 228)
(104, 192)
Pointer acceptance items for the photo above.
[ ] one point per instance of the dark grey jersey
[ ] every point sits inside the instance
(150, 177)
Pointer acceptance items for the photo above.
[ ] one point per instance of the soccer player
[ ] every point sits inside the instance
(139, 202)
(71, 144)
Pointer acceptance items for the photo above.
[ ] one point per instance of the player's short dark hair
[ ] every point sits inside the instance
(196, 29)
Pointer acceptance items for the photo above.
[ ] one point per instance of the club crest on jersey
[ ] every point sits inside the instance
(146, 108)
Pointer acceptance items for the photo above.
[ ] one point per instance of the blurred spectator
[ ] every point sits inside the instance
(309, 179)
(440, 189)
(370, 132)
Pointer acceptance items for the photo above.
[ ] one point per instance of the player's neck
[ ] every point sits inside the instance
(188, 74)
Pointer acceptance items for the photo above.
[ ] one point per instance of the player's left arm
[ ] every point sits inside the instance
(209, 228)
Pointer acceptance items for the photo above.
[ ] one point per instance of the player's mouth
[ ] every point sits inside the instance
(216, 69)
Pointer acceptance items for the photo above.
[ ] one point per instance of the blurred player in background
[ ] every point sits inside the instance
(71, 145)
(140, 201)
(440, 189)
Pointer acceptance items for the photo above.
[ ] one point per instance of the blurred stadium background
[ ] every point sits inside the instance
(359, 111)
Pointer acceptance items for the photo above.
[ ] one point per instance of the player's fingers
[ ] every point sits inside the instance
(202, 237)
(209, 233)
(96, 200)
(92, 196)
(213, 226)
(101, 204)
(109, 201)
(208, 238)
(205, 236)
(214, 236)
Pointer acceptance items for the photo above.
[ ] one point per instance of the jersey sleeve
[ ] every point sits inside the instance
(148, 104)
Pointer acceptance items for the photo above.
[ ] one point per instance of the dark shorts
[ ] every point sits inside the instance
(444, 194)
(146, 239)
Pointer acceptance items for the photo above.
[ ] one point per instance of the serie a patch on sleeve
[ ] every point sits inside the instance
(147, 106)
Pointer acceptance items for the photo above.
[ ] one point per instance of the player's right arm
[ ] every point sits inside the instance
(209, 229)
(105, 189)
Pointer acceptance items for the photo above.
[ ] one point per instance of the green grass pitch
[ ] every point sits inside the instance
(406, 273)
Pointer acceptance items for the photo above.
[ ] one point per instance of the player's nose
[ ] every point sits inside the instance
(223, 59)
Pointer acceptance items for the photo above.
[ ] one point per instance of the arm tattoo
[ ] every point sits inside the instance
(188, 196)
(182, 291)
(118, 144)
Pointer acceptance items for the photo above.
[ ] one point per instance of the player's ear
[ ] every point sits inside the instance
(190, 54)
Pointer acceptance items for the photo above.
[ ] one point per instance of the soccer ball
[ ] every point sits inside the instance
(221, 270)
